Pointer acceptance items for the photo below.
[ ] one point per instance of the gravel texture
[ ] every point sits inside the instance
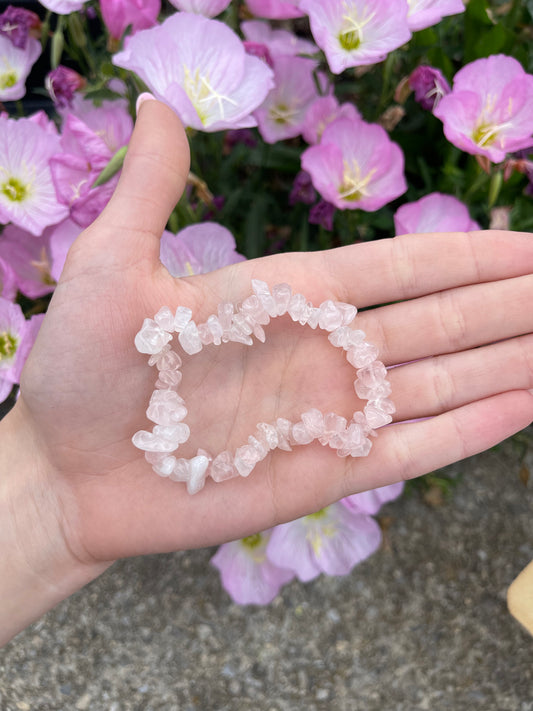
(422, 625)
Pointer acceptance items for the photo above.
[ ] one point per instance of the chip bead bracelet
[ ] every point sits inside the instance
(167, 409)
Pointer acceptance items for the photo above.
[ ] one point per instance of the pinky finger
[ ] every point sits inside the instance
(406, 450)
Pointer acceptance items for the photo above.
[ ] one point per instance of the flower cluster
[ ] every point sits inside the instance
(312, 124)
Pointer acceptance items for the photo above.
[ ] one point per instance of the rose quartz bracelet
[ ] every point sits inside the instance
(238, 324)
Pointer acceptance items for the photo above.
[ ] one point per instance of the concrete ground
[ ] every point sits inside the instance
(422, 625)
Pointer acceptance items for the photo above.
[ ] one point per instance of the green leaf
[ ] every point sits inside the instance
(112, 168)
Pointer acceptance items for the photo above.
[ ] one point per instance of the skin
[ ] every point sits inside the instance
(75, 494)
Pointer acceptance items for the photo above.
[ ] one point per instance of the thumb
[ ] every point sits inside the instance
(151, 183)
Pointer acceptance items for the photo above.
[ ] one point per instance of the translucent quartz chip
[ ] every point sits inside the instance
(169, 360)
(181, 470)
(362, 354)
(246, 457)
(165, 467)
(197, 473)
(314, 422)
(181, 318)
(242, 324)
(372, 392)
(176, 434)
(237, 336)
(267, 435)
(261, 290)
(222, 467)
(297, 306)
(281, 293)
(190, 339)
(300, 434)
(284, 428)
(215, 328)
(348, 312)
(260, 448)
(334, 426)
(372, 374)
(253, 308)
(330, 317)
(205, 334)
(165, 318)
(355, 443)
(313, 316)
(156, 357)
(168, 379)
(376, 417)
(166, 408)
(151, 338)
(345, 337)
(225, 314)
(150, 442)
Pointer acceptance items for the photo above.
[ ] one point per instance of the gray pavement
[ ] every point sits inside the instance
(422, 625)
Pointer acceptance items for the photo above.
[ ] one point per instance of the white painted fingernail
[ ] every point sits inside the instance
(146, 96)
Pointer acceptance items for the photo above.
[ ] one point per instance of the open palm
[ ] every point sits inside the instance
(463, 299)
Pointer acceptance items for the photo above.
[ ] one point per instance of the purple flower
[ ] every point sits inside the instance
(15, 65)
(118, 14)
(30, 260)
(490, 109)
(110, 121)
(331, 541)
(16, 339)
(27, 195)
(302, 189)
(355, 32)
(277, 41)
(209, 81)
(16, 23)
(256, 49)
(356, 165)
(208, 8)
(282, 114)
(8, 283)
(429, 86)
(322, 214)
(198, 249)
(323, 111)
(424, 13)
(434, 213)
(61, 83)
(239, 135)
(370, 502)
(247, 574)
(275, 9)
(75, 169)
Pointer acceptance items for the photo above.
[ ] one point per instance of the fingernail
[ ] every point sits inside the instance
(146, 96)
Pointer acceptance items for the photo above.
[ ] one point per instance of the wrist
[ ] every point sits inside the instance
(37, 567)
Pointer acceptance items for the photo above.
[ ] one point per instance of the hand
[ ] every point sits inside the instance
(462, 314)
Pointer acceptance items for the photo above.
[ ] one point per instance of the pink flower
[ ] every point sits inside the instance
(118, 14)
(424, 13)
(429, 86)
(16, 339)
(8, 283)
(302, 190)
(199, 67)
(356, 165)
(74, 170)
(323, 111)
(61, 83)
(16, 24)
(355, 32)
(490, 109)
(30, 260)
(247, 574)
(63, 7)
(277, 41)
(198, 249)
(208, 8)
(15, 65)
(434, 213)
(331, 541)
(27, 195)
(275, 9)
(370, 502)
(110, 121)
(283, 112)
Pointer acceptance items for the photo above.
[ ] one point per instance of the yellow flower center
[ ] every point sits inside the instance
(351, 34)
(209, 104)
(354, 184)
(8, 345)
(282, 114)
(8, 79)
(14, 189)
